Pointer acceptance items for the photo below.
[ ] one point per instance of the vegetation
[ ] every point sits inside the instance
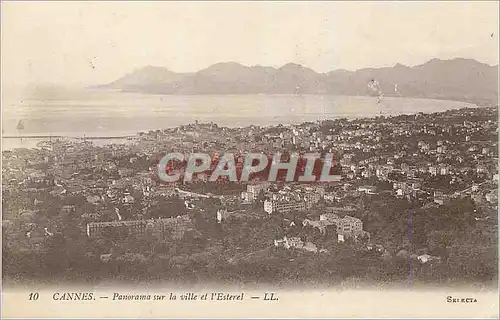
(242, 251)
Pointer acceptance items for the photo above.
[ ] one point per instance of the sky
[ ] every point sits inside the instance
(97, 42)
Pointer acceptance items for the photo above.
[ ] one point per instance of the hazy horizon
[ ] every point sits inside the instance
(77, 43)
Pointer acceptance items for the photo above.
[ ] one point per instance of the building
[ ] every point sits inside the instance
(492, 196)
(295, 242)
(292, 242)
(311, 199)
(175, 227)
(424, 258)
(222, 214)
(165, 189)
(367, 189)
(444, 170)
(136, 227)
(340, 238)
(441, 198)
(253, 191)
(433, 171)
(68, 209)
(347, 226)
(247, 197)
(283, 205)
(321, 225)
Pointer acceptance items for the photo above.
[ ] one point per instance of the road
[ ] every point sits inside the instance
(184, 193)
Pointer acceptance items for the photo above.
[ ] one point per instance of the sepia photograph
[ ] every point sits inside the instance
(271, 159)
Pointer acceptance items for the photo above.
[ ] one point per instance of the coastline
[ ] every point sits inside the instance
(121, 137)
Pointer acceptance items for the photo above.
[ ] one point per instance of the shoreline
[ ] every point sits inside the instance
(134, 133)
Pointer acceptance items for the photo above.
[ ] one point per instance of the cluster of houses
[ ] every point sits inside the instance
(297, 243)
(346, 227)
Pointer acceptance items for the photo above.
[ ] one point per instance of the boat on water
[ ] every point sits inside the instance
(20, 125)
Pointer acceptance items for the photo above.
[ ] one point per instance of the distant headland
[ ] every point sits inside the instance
(458, 79)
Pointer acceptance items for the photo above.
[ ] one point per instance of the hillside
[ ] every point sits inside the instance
(458, 79)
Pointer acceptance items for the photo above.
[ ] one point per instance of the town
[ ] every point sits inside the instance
(416, 198)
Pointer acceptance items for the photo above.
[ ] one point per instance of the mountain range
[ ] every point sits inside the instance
(457, 79)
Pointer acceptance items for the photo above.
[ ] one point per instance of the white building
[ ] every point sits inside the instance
(367, 189)
(295, 242)
(340, 238)
(222, 214)
(350, 225)
(283, 205)
(347, 226)
(253, 191)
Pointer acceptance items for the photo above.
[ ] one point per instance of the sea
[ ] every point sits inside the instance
(76, 113)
